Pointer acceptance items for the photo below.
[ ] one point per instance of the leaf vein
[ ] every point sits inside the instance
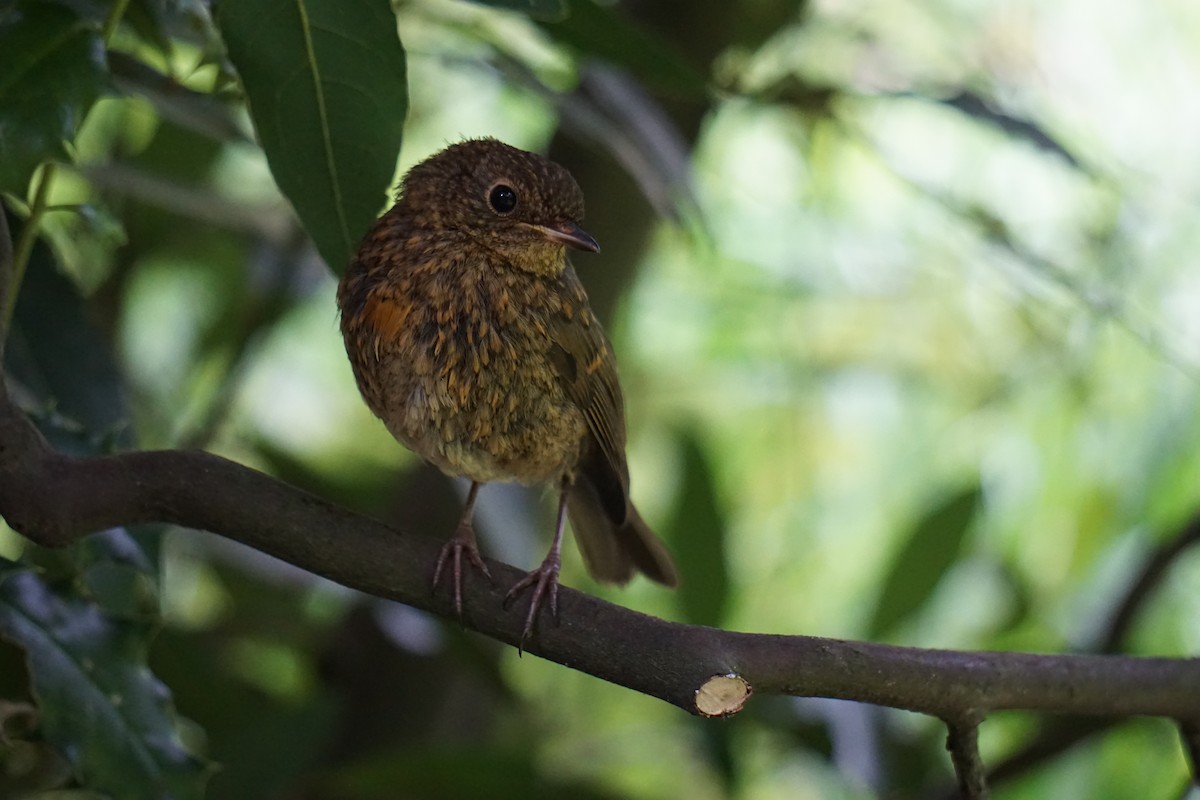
(323, 115)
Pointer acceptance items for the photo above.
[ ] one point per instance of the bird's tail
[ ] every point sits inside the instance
(613, 551)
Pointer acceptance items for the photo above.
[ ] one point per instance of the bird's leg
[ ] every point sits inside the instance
(544, 579)
(463, 541)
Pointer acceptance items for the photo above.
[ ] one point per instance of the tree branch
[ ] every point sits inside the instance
(54, 499)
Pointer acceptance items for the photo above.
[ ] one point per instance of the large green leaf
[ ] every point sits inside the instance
(928, 552)
(99, 704)
(52, 69)
(325, 81)
(697, 529)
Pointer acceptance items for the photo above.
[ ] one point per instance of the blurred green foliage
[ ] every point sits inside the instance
(906, 317)
(53, 70)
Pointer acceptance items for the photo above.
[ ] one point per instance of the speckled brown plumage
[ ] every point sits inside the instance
(472, 339)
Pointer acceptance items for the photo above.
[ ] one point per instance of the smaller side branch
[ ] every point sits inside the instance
(24, 246)
(963, 743)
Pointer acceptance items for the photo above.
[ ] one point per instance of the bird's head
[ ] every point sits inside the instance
(517, 204)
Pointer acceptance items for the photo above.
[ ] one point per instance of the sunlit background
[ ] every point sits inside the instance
(911, 353)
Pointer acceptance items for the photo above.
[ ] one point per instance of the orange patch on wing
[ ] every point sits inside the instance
(386, 316)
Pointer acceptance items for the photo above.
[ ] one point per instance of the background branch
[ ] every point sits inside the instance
(1153, 570)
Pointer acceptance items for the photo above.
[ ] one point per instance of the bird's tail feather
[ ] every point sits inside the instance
(612, 552)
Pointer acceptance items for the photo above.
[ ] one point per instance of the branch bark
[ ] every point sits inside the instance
(54, 499)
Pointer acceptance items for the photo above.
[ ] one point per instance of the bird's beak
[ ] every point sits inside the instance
(569, 234)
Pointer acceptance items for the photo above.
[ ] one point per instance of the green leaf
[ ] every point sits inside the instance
(545, 10)
(325, 81)
(601, 32)
(929, 550)
(698, 520)
(52, 69)
(56, 355)
(99, 703)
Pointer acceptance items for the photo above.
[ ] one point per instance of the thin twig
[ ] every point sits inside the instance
(114, 19)
(963, 743)
(1153, 570)
(24, 245)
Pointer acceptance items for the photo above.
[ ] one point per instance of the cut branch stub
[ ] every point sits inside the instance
(723, 695)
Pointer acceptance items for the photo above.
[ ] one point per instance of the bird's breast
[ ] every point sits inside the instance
(455, 363)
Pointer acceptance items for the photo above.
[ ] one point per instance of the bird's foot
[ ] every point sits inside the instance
(460, 544)
(544, 581)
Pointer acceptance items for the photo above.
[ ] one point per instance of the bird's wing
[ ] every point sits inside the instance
(584, 361)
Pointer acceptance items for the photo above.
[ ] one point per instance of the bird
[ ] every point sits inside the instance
(471, 337)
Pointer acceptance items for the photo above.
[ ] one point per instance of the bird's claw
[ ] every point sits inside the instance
(544, 581)
(463, 542)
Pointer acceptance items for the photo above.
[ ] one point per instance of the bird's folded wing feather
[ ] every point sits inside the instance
(584, 361)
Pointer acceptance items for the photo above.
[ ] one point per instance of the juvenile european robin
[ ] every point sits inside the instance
(472, 339)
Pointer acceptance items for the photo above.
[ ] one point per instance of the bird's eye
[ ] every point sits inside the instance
(502, 198)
